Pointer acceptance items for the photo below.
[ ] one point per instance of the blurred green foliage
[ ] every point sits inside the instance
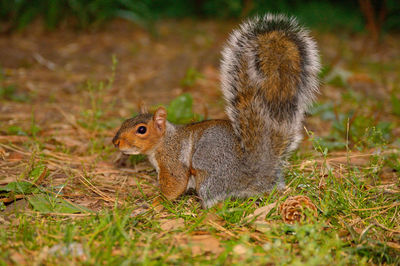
(395, 105)
(83, 12)
(350, 128)
(325, 14)
(11, 93)
(190, 77)
(180, 110)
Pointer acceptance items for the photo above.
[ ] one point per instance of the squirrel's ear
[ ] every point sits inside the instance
(160, 118)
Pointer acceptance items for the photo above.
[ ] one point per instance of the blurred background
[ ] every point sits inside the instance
(328, 15)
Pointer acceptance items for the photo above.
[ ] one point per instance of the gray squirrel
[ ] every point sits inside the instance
(269, 79)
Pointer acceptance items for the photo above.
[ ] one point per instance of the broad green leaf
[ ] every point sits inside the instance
(48, 203)
(20, 187)
(180, 109)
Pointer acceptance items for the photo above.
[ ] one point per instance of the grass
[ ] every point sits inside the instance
(71, 199)
(357, 224)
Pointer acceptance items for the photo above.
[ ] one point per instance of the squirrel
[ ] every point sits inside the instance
(269, 72)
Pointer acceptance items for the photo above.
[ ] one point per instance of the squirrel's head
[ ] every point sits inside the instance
(140, 134)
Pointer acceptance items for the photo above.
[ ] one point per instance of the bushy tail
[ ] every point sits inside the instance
(269, 78)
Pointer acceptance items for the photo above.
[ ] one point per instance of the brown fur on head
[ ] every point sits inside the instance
(139, 135)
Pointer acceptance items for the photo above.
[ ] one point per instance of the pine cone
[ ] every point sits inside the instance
(292, 210)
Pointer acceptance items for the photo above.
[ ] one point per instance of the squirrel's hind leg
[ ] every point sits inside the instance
(214, 190)
(209, 193)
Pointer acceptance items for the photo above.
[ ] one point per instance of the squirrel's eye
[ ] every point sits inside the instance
(141, 130)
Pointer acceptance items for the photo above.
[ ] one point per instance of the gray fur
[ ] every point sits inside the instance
(225, 166)
(221, 171)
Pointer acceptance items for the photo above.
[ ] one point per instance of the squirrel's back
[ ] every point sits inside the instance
(269, 74)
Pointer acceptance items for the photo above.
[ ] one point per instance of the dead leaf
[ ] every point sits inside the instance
(18, 258)
(205, 244)
(117, 252)
(3, 153)
(221, 228)
(240, 249)
(393, 245)
(67, 141)
(261, 213)
(11, 199)
(15, 207)
(73, 249)
(2, 220)
(156, 204)
(4, 180)
(180, 239)
(105, 165)
(13, 139)
(306, 163)
(143, 209)
(15, 156)
(169, 225)
(212, 217)
(262, 226)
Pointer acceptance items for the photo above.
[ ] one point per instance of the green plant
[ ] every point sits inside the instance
(395, 101)
(190, 77)
(10, 92)
(84, 13)
(327, 14)
(180, 110)
(92, 116)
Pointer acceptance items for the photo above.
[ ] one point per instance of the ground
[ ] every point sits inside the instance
(67, 196)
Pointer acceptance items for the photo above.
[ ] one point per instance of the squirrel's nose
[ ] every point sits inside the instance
(116, 142)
